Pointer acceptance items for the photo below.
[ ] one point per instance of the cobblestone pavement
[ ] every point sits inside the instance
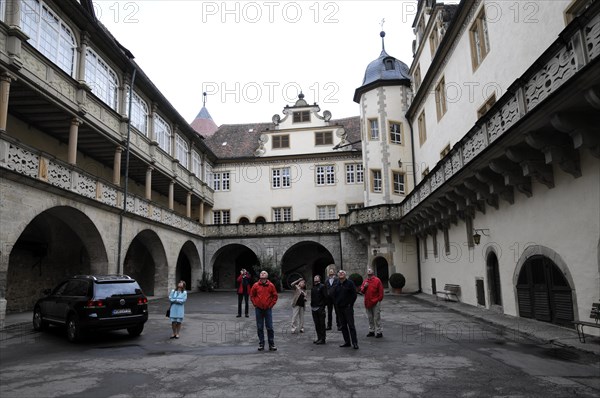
(428, 348)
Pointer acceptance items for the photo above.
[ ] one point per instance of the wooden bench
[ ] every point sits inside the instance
(595, 315)
(449, 290)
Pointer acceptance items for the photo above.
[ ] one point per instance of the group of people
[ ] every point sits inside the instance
(337, 295)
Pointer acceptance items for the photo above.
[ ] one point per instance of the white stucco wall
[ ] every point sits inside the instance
(565, 219)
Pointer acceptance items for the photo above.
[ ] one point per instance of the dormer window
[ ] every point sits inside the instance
(389, 63)
(301, 116)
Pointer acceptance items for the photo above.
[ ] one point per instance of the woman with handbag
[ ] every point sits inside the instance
(176, 312)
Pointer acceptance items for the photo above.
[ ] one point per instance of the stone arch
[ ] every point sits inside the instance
(305, 259)
(227, 263)
(38, 256)
(189, 265)
(533, 253)
(493, 276)
(146, 262)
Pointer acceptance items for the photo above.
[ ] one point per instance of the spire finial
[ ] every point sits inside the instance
(382, 34)
(204, 98)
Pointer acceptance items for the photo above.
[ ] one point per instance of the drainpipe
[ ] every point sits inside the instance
(120, 267)
(414, 172)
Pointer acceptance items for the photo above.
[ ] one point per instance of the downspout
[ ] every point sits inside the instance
(414, 172)
(120, 267)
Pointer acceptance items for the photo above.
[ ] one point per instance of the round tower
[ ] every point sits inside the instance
(384, 98)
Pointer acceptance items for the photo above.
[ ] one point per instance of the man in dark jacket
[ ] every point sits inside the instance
(318, 301)
(330, 283)
(345, 296)
(264, 297)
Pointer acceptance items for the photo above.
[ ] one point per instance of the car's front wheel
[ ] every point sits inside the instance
(135, 330)
(74, 332)
(38, 322)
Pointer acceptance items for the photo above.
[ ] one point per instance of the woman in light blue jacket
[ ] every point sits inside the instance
(177, 297)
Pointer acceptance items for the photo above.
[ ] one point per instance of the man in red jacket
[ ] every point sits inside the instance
(372, 288)
(264, 296)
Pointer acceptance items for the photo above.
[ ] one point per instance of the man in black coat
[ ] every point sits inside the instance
(330, 284)
(318, 301)
(345, 296)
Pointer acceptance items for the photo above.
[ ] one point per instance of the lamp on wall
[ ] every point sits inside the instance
(399, 162)
(374, 252)
(477, 236)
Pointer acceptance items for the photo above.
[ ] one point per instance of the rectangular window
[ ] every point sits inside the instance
(324, 138)
(440, 98)
(301, 116)
(480, 43)
(326, 212)
(221, 217)
(446, 241)
(221, 181)
(355, 173)
(139, 112)
(486, 106)
(399, 187)
(282, 214)
(376, 181)
(352, 206)
(280, 178)
(162, 133)
(197, 164)
(281, 141)
(182, 151)
(395, 133)
(425, 249)
(373, 129)
(422, 131)
(325, 175)
(434, 239)
(434, 41)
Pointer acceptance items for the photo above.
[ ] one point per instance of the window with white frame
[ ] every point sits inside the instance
(325, 175)
(373, 129)
(440, 98)
(139, 112)
(480, 42)
(282, 214)
(221, 217)
(197, 164)
(208, 177)
(395, 133)
(280, 178)
(2, 6)
(355, 173)
(101, 78)
(326, 212)
(399, 187)
(182, 151)
(162, 134)
(376, 181)
(221, 181)
(48, 34)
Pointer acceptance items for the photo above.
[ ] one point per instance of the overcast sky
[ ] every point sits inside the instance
(252, 57)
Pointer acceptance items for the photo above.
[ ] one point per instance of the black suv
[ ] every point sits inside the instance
(93, 302)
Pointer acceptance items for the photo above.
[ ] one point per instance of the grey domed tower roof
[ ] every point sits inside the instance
(384, 71)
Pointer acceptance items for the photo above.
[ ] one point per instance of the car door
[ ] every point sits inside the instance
(73, 294)
(49, 304)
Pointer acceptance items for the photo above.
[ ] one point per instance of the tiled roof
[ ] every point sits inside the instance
(234, 141)
(204, 124)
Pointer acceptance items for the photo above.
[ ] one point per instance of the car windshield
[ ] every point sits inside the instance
(117, 289)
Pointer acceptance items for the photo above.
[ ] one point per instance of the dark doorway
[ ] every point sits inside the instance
(304, 260)
(228, 261)
(544, 293)
(183, 271)
(382, 270)
(493, 275)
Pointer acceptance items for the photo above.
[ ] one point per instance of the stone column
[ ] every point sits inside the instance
(188, 205)
(5, 80)
(82, 50)
(117, 166)
(201, 211)
(73, 133)
(171, 194)
(149, 184)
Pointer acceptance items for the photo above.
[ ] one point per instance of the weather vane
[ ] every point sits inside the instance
(204, 99)
(382, 22)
